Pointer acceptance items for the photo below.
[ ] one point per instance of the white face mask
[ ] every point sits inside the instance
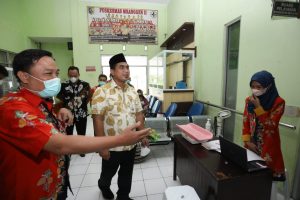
(258, 93)
(73, 79)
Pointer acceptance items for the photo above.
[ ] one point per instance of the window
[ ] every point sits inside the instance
(137, 67)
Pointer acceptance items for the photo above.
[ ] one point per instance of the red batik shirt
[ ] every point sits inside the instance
(26, 170)
(265, 125)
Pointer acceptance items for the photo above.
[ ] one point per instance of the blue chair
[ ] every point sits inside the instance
(155, 109)
(171, 110)
(181, 85)
(151, 102)
(196, 109)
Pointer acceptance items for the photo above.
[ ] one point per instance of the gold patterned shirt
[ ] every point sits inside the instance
(118, 106)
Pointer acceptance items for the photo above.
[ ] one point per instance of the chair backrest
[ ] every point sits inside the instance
(159, 124)
(200, 120)
(181, 85)
(156, 107)
(151, 102)
(148, 97)
(196, 109)
(171, 110)
(180, 120)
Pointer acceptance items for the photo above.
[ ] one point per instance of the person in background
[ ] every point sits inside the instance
(102, 79)
(32, 143)
(3, 74)
(144, 101)
(115, 106)
(75, 95)
(263, 110)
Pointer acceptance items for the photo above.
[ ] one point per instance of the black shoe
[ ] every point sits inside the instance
(82, 155)
(106, 192)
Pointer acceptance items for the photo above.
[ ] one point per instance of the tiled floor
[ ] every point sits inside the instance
(150, 178)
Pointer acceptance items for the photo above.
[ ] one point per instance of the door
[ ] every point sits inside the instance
(231, 75)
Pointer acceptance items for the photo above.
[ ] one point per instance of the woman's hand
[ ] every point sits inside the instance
(255, 101)
(251, 146)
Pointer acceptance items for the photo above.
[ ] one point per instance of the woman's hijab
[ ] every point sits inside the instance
(267, 100)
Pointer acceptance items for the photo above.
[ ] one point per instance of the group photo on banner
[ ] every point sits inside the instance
(122, 25)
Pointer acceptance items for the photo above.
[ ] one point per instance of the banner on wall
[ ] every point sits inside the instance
(122, 25)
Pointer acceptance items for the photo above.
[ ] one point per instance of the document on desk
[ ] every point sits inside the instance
(212, 145)
(251, 156)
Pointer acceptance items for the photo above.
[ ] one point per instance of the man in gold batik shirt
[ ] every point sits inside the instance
(115, 106)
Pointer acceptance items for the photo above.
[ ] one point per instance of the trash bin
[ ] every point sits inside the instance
(183, 192)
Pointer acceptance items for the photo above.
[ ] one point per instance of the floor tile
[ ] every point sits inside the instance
(88, 193)
(164, 161)
(151, 173)
(94, 169)
(137, 175)
(72, 196)
(170, 182)
(155, 186)
(76, 181)
(96, 158)
(166, 171)
(140, 198)
(90, 180)
(83, 160)
(156, 197)
(137, 189)
(149, 163)
(78, 169)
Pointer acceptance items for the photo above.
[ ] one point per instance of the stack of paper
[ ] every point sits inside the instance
(212, 145)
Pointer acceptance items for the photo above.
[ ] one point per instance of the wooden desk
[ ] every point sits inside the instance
(176, 95)
(215, 178)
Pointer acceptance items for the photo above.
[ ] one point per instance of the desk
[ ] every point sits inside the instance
(215, 178)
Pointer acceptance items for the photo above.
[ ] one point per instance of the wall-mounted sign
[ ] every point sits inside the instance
(286, 9)
(122, 25)
(90, 68)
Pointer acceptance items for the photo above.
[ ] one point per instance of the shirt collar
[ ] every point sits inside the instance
(114, 84)
(34, 99)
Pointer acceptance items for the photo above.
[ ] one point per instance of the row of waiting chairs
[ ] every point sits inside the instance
(155, 105)
(166, 126)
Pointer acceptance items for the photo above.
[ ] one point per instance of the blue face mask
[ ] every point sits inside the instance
(101, 83)
(52, 87)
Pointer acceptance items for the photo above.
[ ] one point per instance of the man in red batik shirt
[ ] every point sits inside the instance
(31, 144)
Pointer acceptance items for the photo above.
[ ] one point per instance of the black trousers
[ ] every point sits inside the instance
(124, 159)
(80, 125)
